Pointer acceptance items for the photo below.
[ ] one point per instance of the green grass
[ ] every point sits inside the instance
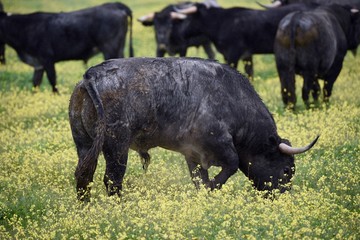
(38, 160)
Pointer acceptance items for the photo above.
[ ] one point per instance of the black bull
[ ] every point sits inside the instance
(205, 110)
(238, 33)
(313, 44)
(42, 39)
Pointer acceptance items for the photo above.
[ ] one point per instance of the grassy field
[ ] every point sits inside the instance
(38, 160)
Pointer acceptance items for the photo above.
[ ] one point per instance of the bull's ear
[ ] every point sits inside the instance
(147, 20)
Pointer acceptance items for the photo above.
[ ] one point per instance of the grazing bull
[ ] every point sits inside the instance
(42, 39)
(238, 33)
(205, 110)
(169, 32)
(314, 44)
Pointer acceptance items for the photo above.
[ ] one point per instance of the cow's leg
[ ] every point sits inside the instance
(86, 165)
(51, 74)
(2, 53)
(223, 150)
(37, 77)
(87, 161)
(115, 150)
(208, 50)
(198, 174)
(287, 80)
(182, 52)
(248, 65)
(330, 78)
(316, 90)
(160, 52)
(145, 159)
(309, 79)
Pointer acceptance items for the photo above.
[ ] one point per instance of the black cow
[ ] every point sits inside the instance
(278, 3)
(2, 44)
(205, 110)
(238, 33)
(169, 29)
(313, 44)
(42, 39)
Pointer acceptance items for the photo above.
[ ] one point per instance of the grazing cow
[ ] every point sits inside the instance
(205, 110)
(42, 39)
(313, 44)
(169, 32)
(238, 33)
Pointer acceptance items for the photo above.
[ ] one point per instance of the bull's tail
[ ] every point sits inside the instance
(131, 50)
(129, 13)
(292, 59)
(100, 128)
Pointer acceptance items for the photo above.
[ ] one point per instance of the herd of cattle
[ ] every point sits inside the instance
(203, 109)
(308, 37)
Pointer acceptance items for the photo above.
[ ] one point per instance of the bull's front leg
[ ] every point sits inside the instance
(198, 174)
(220, 179)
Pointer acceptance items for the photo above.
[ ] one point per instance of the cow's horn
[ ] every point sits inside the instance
(146, 18)
(211, 3)
(176, 15)
(189, 10)
(273, 5)
(284, 148)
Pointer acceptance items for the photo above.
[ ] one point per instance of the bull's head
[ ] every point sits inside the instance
(163, 25)
(274, 168)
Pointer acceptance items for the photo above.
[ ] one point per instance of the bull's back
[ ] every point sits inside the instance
(173, 87)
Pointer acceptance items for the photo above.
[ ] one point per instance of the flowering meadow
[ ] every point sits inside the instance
(38, 160)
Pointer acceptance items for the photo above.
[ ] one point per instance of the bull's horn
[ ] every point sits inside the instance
(189, 10)
(354, 10)
(284, 148)
(147, 18)
(211, 3)
(176, 15)
(273, 5)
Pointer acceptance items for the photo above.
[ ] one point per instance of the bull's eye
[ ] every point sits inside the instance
(286, 171)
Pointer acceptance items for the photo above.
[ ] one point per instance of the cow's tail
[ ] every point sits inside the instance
(131, 49)
(294, 26)
(129, 13)
(100, 128)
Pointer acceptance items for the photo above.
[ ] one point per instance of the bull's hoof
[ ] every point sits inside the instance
(83, 195)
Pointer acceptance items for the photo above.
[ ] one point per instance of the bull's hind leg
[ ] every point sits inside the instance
(248, 66)
(51, 74)
(86, 166)
(330, 78)
(316, 91)
(37, 77)
(115, 150)
(87, 162)
(309, 79)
